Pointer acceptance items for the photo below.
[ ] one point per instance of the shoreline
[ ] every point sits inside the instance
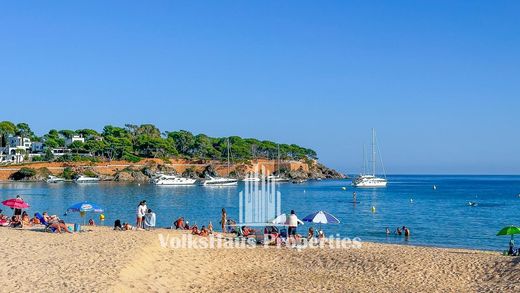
(135, 261)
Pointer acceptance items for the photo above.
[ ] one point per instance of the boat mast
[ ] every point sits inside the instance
(364, 160)
(373, 152)
(278, 167)
(228, 156)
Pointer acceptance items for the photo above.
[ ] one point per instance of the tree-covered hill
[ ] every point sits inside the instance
(133, 142)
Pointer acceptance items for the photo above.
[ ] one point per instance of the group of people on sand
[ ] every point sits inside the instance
(399, 231)
(22, 219)
(182, 224)
(145, 219)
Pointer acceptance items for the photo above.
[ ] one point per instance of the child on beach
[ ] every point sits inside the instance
(91, 222)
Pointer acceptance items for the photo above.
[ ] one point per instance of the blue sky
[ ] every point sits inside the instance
(439, 80)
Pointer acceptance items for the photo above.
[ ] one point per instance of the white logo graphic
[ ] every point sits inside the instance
(259, 203)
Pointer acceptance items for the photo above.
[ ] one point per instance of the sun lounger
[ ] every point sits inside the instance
(47, 225)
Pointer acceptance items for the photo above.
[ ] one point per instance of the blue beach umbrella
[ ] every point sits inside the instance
(84, 207)
(321, 217)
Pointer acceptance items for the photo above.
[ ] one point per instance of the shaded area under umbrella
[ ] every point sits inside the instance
(84, 207)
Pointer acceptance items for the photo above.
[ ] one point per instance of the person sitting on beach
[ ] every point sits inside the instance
(35, 220)
(46, 217)
(246, 231)
(203, 231)
(4, 220)
(117, 225)
(210, 228)
(127, 227)
(511, 250)
(321, 234)
(195, 230)
(179, 223)
(26, 221)
(310, 234)
(15, 222)
(91, 222)
(187, 226)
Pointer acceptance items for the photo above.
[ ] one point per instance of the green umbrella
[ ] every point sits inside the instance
(509, 230)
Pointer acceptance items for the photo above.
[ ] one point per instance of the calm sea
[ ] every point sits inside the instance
(440, 217)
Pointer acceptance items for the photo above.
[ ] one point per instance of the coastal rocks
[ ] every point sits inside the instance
(210, 171)
(30, 174)
(131, 176)
(321, 171)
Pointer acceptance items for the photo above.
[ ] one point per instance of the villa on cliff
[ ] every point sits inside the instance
(18, 149)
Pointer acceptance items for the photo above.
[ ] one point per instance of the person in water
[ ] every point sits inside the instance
(387, 231)
(406, 232)
(398, 231)
(354, 195)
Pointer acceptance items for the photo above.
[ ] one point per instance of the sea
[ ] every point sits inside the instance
(440, 217)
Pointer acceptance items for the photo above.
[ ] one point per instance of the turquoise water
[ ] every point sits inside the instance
(436, 217)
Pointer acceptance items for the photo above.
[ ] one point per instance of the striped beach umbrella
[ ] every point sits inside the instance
(321, 217)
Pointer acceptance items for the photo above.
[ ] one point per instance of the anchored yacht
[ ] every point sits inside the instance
(86, 179)
(173, 180)
(54, 179)
(219, 181)
(370, 180)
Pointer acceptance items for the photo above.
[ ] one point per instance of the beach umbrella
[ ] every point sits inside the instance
(509, 230)
(281, 219)
(15, 203)
(84, 207)
(321, 217)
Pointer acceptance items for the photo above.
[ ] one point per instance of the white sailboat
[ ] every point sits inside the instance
(221, 181)
(277, 178)
(370, 180)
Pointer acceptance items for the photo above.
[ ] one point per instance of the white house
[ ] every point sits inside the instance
(15, 150)
(74, 138)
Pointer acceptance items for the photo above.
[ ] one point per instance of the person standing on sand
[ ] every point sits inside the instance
(293, 222)
(140, 214)
(223, 220)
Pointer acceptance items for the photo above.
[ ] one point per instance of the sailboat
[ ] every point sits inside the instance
(370, 180)
(221, 181)
(277, 178)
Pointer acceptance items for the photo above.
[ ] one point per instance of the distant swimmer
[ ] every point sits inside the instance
(434, 187)
(344, 188)
(472, 204)
(411, 200)
(354, 196)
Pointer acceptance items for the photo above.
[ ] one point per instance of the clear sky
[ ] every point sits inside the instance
(439, 80)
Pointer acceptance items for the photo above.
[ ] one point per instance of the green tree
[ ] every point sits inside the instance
(184, 142)
(6, 128)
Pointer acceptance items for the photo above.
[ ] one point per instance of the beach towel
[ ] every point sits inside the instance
(149, 220)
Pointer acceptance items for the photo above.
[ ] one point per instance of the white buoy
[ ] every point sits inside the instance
(138, 184)
(373, 209)
(411, 200)
(434, 187)
(344, 188)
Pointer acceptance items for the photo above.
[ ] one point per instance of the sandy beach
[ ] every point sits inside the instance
(104, 260)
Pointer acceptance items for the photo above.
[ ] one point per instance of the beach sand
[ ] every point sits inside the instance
(103, 260)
